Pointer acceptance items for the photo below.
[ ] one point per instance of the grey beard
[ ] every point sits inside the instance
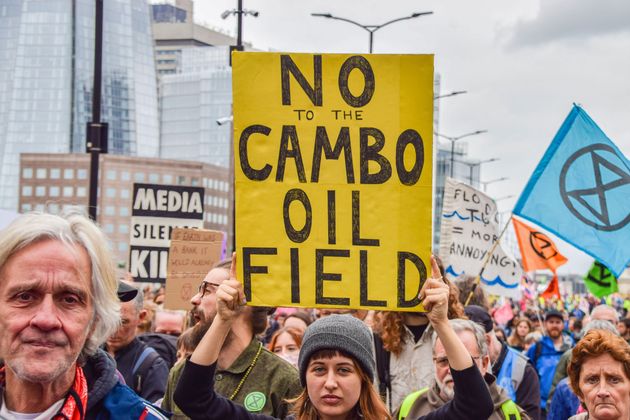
(445, 391)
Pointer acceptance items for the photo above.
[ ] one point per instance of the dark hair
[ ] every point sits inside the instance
(301, 315)
(596, 343)
(369, 407)
(466, 286)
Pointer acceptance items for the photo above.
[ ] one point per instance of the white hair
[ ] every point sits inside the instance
(461, 325)
(72, 228)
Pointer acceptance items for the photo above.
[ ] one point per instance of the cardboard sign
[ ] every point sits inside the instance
(333, 169)
(156, 210)
(192, 254)
(469, 231)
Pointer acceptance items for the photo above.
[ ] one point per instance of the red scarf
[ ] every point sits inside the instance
(75, 404)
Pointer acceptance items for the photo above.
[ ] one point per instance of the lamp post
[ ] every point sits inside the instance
(471, 165)
(455, 139)
(239, 12)
(454, 93)
(371, 28)
(96, 130)
(492, 181)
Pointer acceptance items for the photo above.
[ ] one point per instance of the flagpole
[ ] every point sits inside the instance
(483, 267)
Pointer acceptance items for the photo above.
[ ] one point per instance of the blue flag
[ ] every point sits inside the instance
(580, 191)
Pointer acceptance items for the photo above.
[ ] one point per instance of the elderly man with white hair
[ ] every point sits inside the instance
(58, 304)
(442, 390)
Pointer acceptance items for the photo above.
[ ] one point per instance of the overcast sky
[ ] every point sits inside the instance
(523, 63)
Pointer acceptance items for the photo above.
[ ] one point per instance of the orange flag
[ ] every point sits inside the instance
(537, 249)
(553, 289)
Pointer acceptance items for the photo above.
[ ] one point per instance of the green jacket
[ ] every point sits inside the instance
(271, 376)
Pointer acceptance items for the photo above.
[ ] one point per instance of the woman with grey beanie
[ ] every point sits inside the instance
(336, 366)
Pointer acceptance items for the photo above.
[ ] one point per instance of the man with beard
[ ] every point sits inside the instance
(442, 390)
(247, 373)
(546, 353)
(513, 371)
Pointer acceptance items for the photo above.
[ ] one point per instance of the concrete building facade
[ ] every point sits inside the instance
(53, 182)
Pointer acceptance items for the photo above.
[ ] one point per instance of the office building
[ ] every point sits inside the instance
(46, 79)
(174, 28)
(53, 182)
(196, 107)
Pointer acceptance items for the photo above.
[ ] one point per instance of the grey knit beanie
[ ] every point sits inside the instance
(338, 332)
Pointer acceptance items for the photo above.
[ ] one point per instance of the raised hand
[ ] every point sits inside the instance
(434, 295)
(230, 296)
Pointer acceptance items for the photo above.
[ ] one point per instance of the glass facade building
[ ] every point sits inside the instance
(191, 102)
(46, 72)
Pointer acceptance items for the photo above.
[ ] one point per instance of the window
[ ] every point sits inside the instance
(68, 191)
(81, 173)
(108, 228)
(111, 192)
(167, 179)
(181, 180)
(110, 211)
(26, 207)
(53, 208)
(40, 173)
(124, 176)
(138, 177)
(27, 173)
(123, 228)
(81, 192)
(122, 246)
(40, 191)
(194, 182)
(123, 211)
(111, 175)
(124, 193)
(154, 178)
(68, 173)
(55, 173)
(27, 191)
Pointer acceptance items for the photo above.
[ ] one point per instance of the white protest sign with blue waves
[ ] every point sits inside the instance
(469, 231)
(580, 191)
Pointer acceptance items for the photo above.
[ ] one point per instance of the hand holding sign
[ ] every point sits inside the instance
(434, 296)
(230, 296)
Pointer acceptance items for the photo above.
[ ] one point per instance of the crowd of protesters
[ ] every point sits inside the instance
(77, 342)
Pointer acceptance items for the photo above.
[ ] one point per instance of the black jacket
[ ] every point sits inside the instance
(196, 397)
(152, 382)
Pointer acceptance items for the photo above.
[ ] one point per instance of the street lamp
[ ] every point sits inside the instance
(371, 28)
(471, 165)
(454, 139)
(239, 12)
(454, 93)
(492, 181)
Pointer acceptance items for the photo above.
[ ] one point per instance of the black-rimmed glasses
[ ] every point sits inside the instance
(204, 287)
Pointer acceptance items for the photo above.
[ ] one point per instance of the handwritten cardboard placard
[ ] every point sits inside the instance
(333, 170)
(192, 254)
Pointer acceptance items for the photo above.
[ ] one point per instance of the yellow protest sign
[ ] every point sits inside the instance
(333, 169)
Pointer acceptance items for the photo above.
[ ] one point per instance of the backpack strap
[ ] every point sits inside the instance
(510, 410)
(145, 361)
(407, 403)
(518, 370)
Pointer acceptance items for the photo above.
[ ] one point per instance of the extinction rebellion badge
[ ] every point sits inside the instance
(255, 401)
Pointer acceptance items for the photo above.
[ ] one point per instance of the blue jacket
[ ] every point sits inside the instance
(545, 364)
(109, 398)
(564, 403)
